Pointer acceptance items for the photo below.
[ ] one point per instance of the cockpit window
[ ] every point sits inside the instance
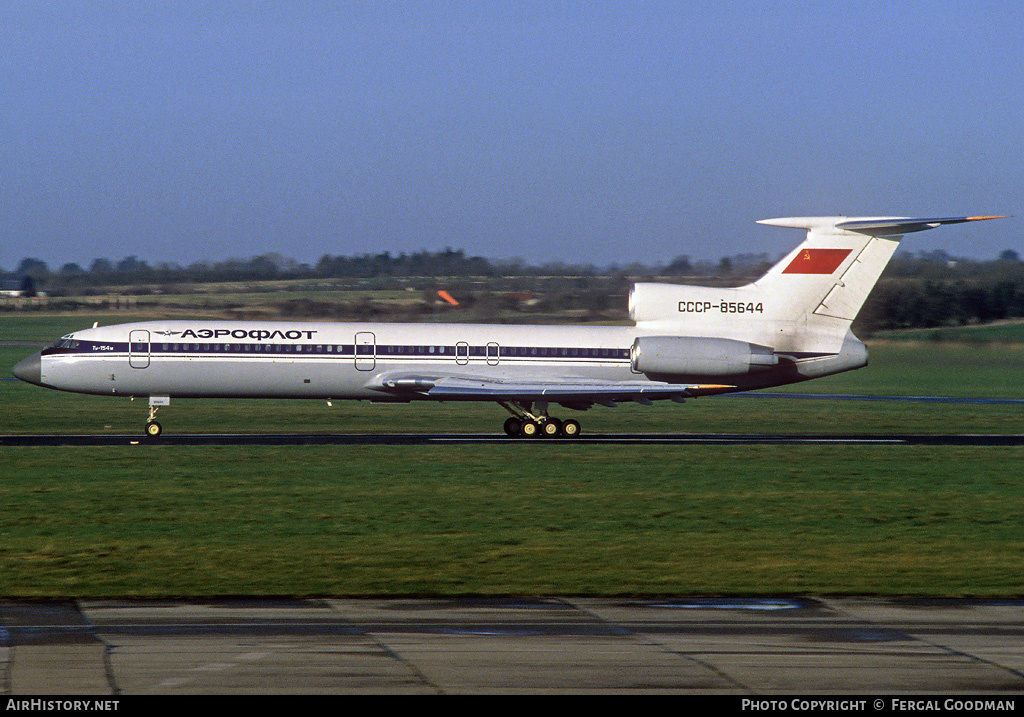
(66, 343)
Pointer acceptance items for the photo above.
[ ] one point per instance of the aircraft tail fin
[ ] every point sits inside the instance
(804, 303)
(832, 272)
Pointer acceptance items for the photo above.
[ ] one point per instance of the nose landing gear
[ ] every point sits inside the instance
(154, 429)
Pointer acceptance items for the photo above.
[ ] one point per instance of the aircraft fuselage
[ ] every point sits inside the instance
(239, 359)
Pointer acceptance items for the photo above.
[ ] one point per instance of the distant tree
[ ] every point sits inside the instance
(265, 267)
(71, 276)
(28, 287)
(680, 265)
(36, 268)
(99, 267)
(937, 256)
(131, 265)
(1009, 255)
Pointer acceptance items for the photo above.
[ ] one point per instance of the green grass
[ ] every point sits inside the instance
(44, 329)
(1006, 332)
(526, 517)
(157, 521)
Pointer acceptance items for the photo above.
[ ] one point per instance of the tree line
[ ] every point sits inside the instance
(103, 275)
(917, 290)
(446, 263)
(932, 289)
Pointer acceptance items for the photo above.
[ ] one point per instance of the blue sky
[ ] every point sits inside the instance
(597, 132)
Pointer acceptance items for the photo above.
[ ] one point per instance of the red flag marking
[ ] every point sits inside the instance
(816, 261)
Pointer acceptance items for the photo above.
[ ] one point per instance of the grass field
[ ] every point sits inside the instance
(1004, 332)
(527, 517)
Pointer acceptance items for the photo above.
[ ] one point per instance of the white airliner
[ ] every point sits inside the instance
(792, 324)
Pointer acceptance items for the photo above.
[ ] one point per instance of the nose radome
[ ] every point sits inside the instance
(29, 370)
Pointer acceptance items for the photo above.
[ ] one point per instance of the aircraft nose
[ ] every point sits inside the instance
(29, 369)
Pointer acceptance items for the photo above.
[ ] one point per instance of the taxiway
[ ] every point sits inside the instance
(420, 439)
(513, 645)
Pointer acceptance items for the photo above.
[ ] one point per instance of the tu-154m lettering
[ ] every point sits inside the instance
(792, 324)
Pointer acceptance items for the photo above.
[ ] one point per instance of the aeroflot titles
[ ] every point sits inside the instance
(258, 334)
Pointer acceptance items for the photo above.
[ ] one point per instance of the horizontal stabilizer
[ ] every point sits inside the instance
(903, 225)
(871, 226)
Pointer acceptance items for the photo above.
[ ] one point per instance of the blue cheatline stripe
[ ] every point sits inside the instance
(381, 351)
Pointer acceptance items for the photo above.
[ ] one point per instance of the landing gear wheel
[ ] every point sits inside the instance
(529, 429)
(571, 428)
(153, 429)
(551, 428)
(513, 426)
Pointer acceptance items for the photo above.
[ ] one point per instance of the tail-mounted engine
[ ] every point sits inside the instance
(696, 356)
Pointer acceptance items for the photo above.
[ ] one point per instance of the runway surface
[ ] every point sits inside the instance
(513, 645)
(420, 439)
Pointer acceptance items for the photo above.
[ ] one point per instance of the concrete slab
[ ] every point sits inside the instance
(470, 664)
(59, 669)
(511, 645)
(240, 665)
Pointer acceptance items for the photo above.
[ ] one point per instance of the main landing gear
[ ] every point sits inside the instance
(524, 423)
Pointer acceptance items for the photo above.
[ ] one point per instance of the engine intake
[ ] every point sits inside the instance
(699, 356)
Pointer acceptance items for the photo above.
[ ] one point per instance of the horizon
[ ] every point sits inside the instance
(285, 265)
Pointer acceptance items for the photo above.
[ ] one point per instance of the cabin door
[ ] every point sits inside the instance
(138, 349)
(366, 351)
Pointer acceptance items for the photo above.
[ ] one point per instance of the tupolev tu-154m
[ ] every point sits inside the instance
(792, 324)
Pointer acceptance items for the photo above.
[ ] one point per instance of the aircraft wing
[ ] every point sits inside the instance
(568, 390)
